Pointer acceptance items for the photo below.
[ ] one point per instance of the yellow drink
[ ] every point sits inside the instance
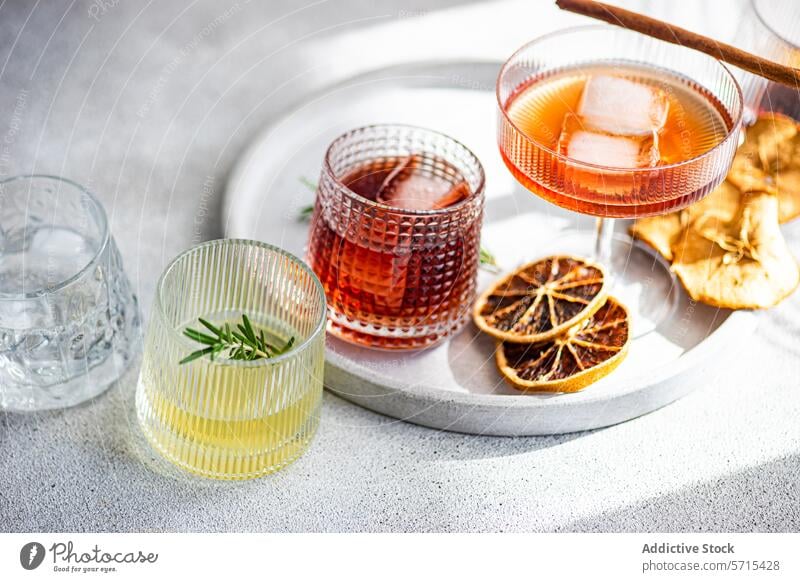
(233, 419)
(212, 411)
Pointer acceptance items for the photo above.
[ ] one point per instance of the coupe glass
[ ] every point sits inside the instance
(639, 277)
(69, 323)
(224, 418)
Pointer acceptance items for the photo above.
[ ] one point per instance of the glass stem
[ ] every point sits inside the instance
(603, 242)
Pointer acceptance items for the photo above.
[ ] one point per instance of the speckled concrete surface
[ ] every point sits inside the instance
(149, 104)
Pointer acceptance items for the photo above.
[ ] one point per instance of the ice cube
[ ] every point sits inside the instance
(456, 194)
(622, 107)
(407, 188)
(587, 145)
(413, 192)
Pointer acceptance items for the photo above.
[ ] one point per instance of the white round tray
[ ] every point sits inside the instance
(455, 386)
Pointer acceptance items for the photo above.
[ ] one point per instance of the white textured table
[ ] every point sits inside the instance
(149, 104)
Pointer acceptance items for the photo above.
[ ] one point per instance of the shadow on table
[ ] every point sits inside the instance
(102, 437)
(457, 447)
(762, 498)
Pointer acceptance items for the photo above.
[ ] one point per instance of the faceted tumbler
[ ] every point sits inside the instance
(396, 278)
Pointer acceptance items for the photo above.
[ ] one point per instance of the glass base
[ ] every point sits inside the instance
(391, 339)
(215, 454)
(73, 391)
(640, 278)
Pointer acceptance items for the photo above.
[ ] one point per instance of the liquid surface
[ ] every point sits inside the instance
(693, 126)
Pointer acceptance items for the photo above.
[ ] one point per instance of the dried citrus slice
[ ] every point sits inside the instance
(573, 360)
(541, 299)
(743, 263)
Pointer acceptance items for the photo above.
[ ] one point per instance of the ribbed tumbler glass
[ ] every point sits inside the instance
(233, 419)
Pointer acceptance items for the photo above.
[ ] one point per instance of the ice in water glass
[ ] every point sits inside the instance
(224, 418)
(69, 323)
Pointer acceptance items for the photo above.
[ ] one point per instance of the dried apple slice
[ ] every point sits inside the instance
(742, 263)
(664, 232)
(769, 161)
(788, 185)
(660, 232)
(747, 175)
(727, 249)
(770, 136)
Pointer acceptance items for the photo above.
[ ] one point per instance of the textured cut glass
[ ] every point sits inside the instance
(397, 278)
(69, 323)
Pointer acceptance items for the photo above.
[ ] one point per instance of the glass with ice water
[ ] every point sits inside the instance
(69, 322)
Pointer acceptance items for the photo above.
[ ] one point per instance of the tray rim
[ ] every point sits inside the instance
(737, 322)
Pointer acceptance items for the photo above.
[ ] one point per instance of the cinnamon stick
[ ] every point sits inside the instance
(661, 30)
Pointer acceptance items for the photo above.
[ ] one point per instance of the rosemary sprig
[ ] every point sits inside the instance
(306, 211)
(242, 343)
(487, 261)
(308, 183)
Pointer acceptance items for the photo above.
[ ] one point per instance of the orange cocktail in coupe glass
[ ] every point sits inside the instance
(608, 122)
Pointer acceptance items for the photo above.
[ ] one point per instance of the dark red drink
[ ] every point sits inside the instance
(395, 241)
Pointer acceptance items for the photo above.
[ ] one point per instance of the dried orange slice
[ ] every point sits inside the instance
(542, 299)
(573, 360)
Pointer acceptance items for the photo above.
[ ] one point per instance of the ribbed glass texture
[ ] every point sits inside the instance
(229, 419)
(394, 278)
(607, 191)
